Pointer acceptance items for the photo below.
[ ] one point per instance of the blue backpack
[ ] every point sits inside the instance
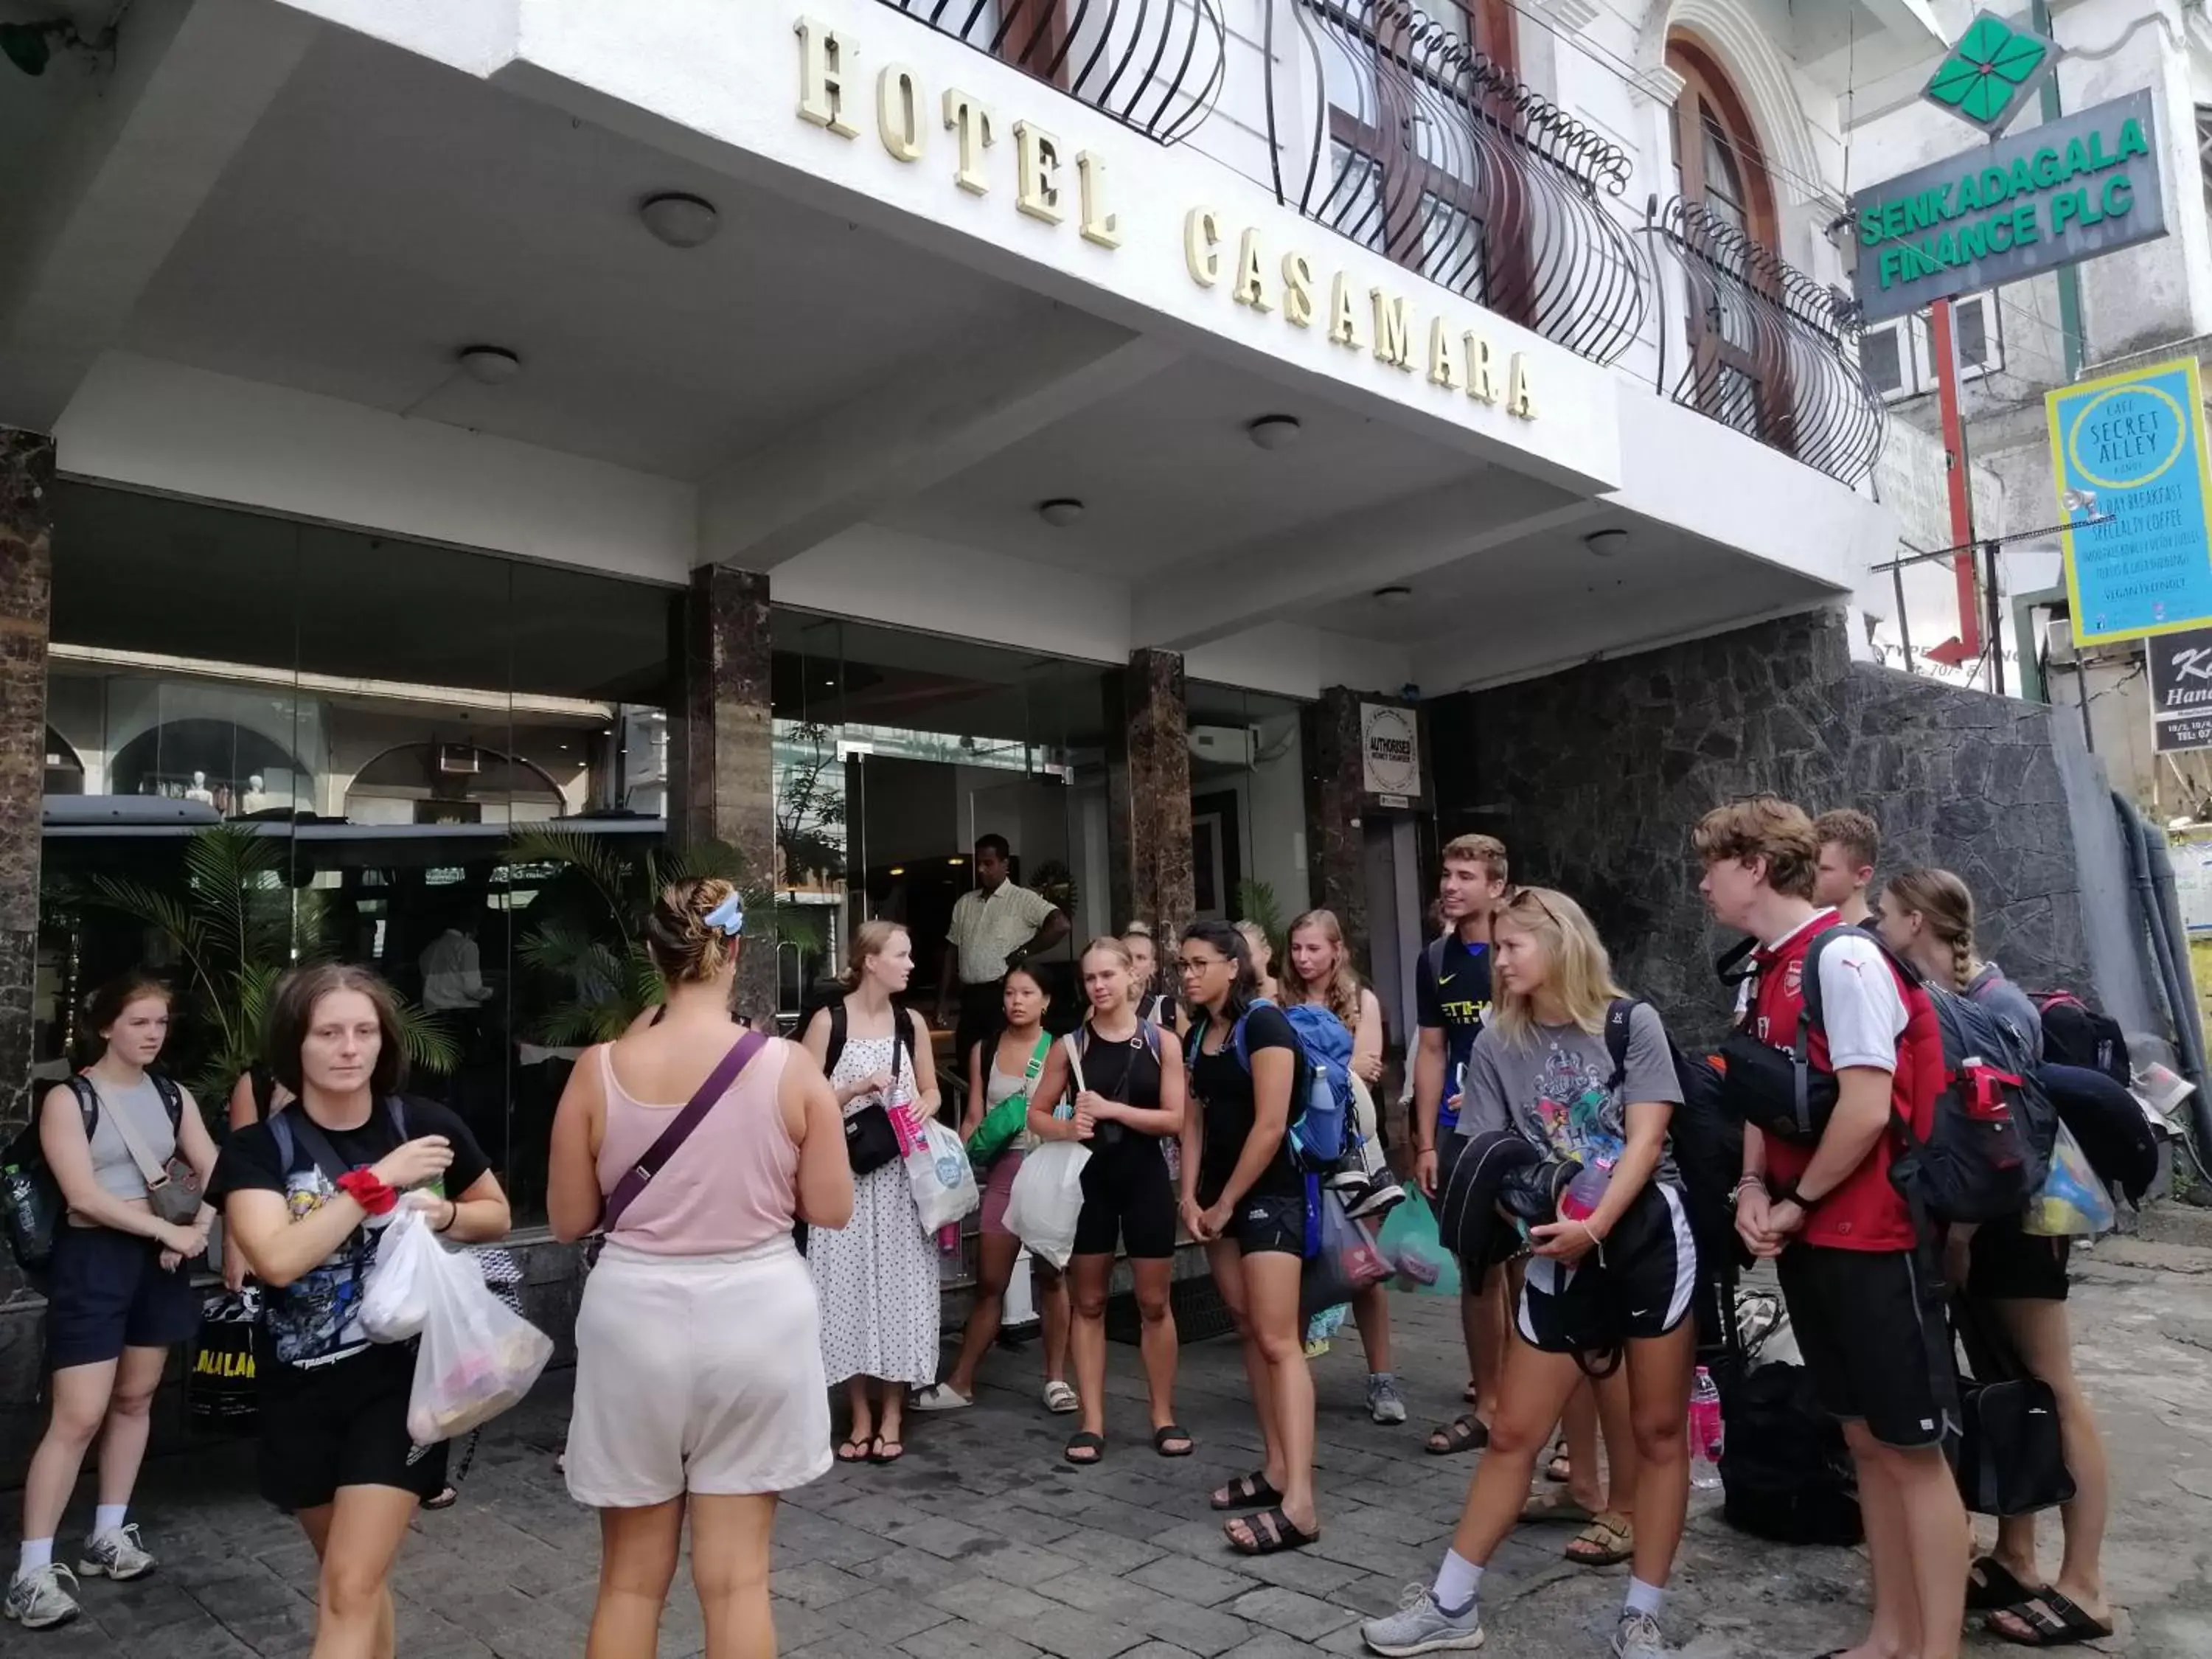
(1319, 1135)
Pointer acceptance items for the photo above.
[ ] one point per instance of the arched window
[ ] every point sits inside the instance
(1720, 167)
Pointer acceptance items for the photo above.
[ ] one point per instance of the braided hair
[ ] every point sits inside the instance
(1945, 907)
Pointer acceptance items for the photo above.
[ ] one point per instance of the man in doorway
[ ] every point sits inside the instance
(1864, 1304)
(996, 924)
(1850, 846)
(1452, 995)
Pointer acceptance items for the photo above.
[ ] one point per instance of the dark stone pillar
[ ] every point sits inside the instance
(1148, 795)
(27, 583)
(1336, 795)
(721, 773)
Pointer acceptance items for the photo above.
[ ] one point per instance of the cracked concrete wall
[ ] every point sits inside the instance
(1595, 776)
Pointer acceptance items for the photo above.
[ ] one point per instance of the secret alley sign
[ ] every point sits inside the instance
(1454, 352)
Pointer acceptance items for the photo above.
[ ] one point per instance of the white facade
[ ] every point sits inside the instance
(262, 232)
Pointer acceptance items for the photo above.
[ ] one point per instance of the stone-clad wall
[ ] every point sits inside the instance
(1595, 776)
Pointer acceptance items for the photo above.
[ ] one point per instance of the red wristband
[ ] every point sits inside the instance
(366, 1190)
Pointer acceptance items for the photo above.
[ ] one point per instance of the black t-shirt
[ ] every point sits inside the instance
(1129, 1071)
(1225, 1089)
(1455, 1002)
(317, 1316)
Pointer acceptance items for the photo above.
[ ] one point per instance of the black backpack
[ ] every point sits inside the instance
(1707, 1144)
(2074, 1034)
(31, 1203)
(1785, 1472)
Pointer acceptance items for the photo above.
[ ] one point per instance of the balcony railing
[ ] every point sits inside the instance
(1771, 352)
(1392, 130)
(1154, 65)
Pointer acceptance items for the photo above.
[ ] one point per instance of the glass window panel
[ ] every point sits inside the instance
(1973, 319)
(1881, 359)
(1247, 807)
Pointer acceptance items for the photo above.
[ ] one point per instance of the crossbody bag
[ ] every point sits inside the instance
(870, 1142)
(172, 1186)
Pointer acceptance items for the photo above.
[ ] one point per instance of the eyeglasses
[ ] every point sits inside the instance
(1200, 964)
(1537, 899)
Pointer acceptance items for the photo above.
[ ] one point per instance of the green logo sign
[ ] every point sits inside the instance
(1990, 72)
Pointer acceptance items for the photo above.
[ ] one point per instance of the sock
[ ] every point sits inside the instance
(1644, 1598)
(108, 1518)
(1457, 1582)
(37, 1553)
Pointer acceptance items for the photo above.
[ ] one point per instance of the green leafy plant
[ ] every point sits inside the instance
(1256, 903)
(599, 959)
(236, 927)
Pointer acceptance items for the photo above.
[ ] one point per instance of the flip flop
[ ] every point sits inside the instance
(878, 1452)
(1991, 1587)
(1084, 1441)
(1560, 1468)
(2053, 1621)
(1246, 1492)
(1163, 1436)
(1281, 1533)
(446, 1500)
(1609, 1539)
(1467, 1433)
(854, 1451)
(1558, 1507)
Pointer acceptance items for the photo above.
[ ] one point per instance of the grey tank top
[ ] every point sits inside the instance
(112, 1166)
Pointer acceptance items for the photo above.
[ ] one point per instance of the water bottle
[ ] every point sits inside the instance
(1705, 1432)
(1585, 1192)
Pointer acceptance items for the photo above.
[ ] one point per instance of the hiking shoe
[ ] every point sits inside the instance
(1381, 1193)
(116, 1553)
(1420, 1626)
(1384, 1403)
(37, 1601)
(1637, 1636)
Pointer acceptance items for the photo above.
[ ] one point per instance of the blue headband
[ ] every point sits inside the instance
(729, 915)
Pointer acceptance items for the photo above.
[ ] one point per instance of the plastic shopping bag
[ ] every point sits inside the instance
(2073, 1203)
(1046, 1199)
(477, 1357)
(1414, 1249)
(395, 1299)
(220, 1394)
(943, 1180)
(1356, 1254)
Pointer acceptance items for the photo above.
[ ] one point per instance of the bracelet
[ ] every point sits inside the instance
(453, 1214)
(1597, 1243)
(366, 1190)
(1736, 1192)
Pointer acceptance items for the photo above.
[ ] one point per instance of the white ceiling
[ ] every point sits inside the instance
(388, 212)
(1166, 473)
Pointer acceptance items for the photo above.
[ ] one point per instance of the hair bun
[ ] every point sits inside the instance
(684, 948)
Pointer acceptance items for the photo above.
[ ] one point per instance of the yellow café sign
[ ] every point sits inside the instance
(1458, 358)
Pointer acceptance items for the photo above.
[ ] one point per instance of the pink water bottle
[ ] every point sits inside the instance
(1705, 1432)
(1585, 1192)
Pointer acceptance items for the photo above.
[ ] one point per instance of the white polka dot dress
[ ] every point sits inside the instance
(876, 1277)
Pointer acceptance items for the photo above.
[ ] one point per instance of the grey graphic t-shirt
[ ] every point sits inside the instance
(1551, 1087)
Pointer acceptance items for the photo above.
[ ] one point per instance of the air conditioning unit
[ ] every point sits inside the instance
(1225, 746)
(2058, 639)
(460, 759)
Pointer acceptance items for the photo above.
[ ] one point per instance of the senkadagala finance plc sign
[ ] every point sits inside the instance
(2070, 190)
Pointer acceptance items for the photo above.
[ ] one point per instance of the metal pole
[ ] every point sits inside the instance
(1944, 346)
(1995, 618)
(1904, 627)
(2070, 278)
(2081, 694)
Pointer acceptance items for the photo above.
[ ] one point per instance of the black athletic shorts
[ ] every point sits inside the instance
(1130, 1200)
(2006, 1263)
(1642, 1288)
(341, 1424)
(108, 1293)
(1875, 1338)
(1262, 1222)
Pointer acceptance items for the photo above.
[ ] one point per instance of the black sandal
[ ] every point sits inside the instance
(1560, 1467)
(2052, 1620)
(1282, 1533)
(1084, 1441)
(1162, 1435)
(1467, 1433)
(854, 1450)
(877, 1454)
(1247, 1491)
(446, 1500)
(1991, 1587)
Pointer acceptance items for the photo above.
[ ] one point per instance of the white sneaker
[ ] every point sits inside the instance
(116, 1553)
(1421, 1626)
(37, 1601)
(1637, 1636)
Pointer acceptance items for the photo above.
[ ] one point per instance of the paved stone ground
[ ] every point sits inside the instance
(981, 1544)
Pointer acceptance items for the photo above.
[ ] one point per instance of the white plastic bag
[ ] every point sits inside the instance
(944, 1181)
(1046, 1198)
(477, 1357)
(395, 1297)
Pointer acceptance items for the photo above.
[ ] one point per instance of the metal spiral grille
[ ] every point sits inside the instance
(1773, 354)
(1392, 131)
(1154, 65)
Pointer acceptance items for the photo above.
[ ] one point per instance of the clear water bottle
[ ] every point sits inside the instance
(1705, 1433)
(1585, 1192)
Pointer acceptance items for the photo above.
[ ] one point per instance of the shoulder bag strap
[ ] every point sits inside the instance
(1075, 1056)
(694, 1111)
(173, 1098)
(835, 1047)
(153, 1171)
(1617, 1018)
(291, 1124)
(87, 1101)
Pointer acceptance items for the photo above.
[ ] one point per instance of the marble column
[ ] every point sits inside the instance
(27, 583)
(1336, 795)
(1148, 795)
(720, 764)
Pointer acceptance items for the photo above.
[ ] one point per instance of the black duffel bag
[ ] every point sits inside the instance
(222, 1392)
(1785, 1472)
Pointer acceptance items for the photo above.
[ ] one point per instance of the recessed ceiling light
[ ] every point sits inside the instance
(1061, 512)
(1274, 431)
(1606, 544)
(489, 365)
(679, 220)
(1394, 594)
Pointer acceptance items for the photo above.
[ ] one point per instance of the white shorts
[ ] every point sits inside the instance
(697, 1374)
